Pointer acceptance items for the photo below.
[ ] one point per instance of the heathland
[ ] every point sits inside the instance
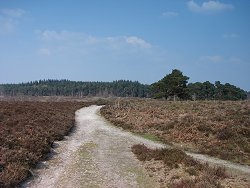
(216, 128)
(27, 132)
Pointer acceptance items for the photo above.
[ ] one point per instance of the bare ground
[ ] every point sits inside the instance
(95, 155)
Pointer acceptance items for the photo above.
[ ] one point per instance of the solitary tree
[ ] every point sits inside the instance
(172, 85)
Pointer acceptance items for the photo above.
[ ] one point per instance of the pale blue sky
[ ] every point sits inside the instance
(106, 40)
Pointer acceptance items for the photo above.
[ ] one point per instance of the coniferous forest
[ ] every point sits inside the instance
(49, 87)
(174, 85)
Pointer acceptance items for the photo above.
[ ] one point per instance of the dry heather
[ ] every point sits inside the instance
(27, 131)
(173, 168)
(216, 128)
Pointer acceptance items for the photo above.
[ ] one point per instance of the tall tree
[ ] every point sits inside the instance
(172, 85)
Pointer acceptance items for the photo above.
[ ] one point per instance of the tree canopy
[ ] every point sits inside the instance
(172, 85)
(175, 85)
(217, 91)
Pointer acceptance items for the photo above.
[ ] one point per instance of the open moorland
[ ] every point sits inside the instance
(217, 128)
(27, 132)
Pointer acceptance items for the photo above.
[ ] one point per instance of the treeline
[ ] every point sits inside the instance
(120, 88)
(173, 86)
(217, 91)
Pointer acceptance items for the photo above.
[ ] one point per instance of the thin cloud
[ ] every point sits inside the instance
(61, 46)
(13, 12)
(220, 59)
(77, 38)
(213, 59)
(44, 52)
(209, 7)
(136, 41)
(230, 36)
(169, 14)
(50, 35)
(9, 19)
(6, 25)
(236, 60)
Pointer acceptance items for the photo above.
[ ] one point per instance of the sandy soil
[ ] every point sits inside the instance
(95, 155)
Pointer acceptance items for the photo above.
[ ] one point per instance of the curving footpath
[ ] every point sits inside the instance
(97, 154)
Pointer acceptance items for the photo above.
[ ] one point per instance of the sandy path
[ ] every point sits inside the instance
(95, 155)
(99, 155)
(232, 167)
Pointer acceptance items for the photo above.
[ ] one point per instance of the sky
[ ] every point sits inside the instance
(142, 40)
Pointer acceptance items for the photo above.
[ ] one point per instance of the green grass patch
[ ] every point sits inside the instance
(150, 137)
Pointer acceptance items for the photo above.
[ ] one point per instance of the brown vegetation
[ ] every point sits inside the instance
(180, 170)
(216, 128)
(27, 131)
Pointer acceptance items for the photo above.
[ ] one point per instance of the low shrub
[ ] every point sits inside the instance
(209, 127)
(27, 131)
(171, 157)
(225, 133)
(205, 176)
